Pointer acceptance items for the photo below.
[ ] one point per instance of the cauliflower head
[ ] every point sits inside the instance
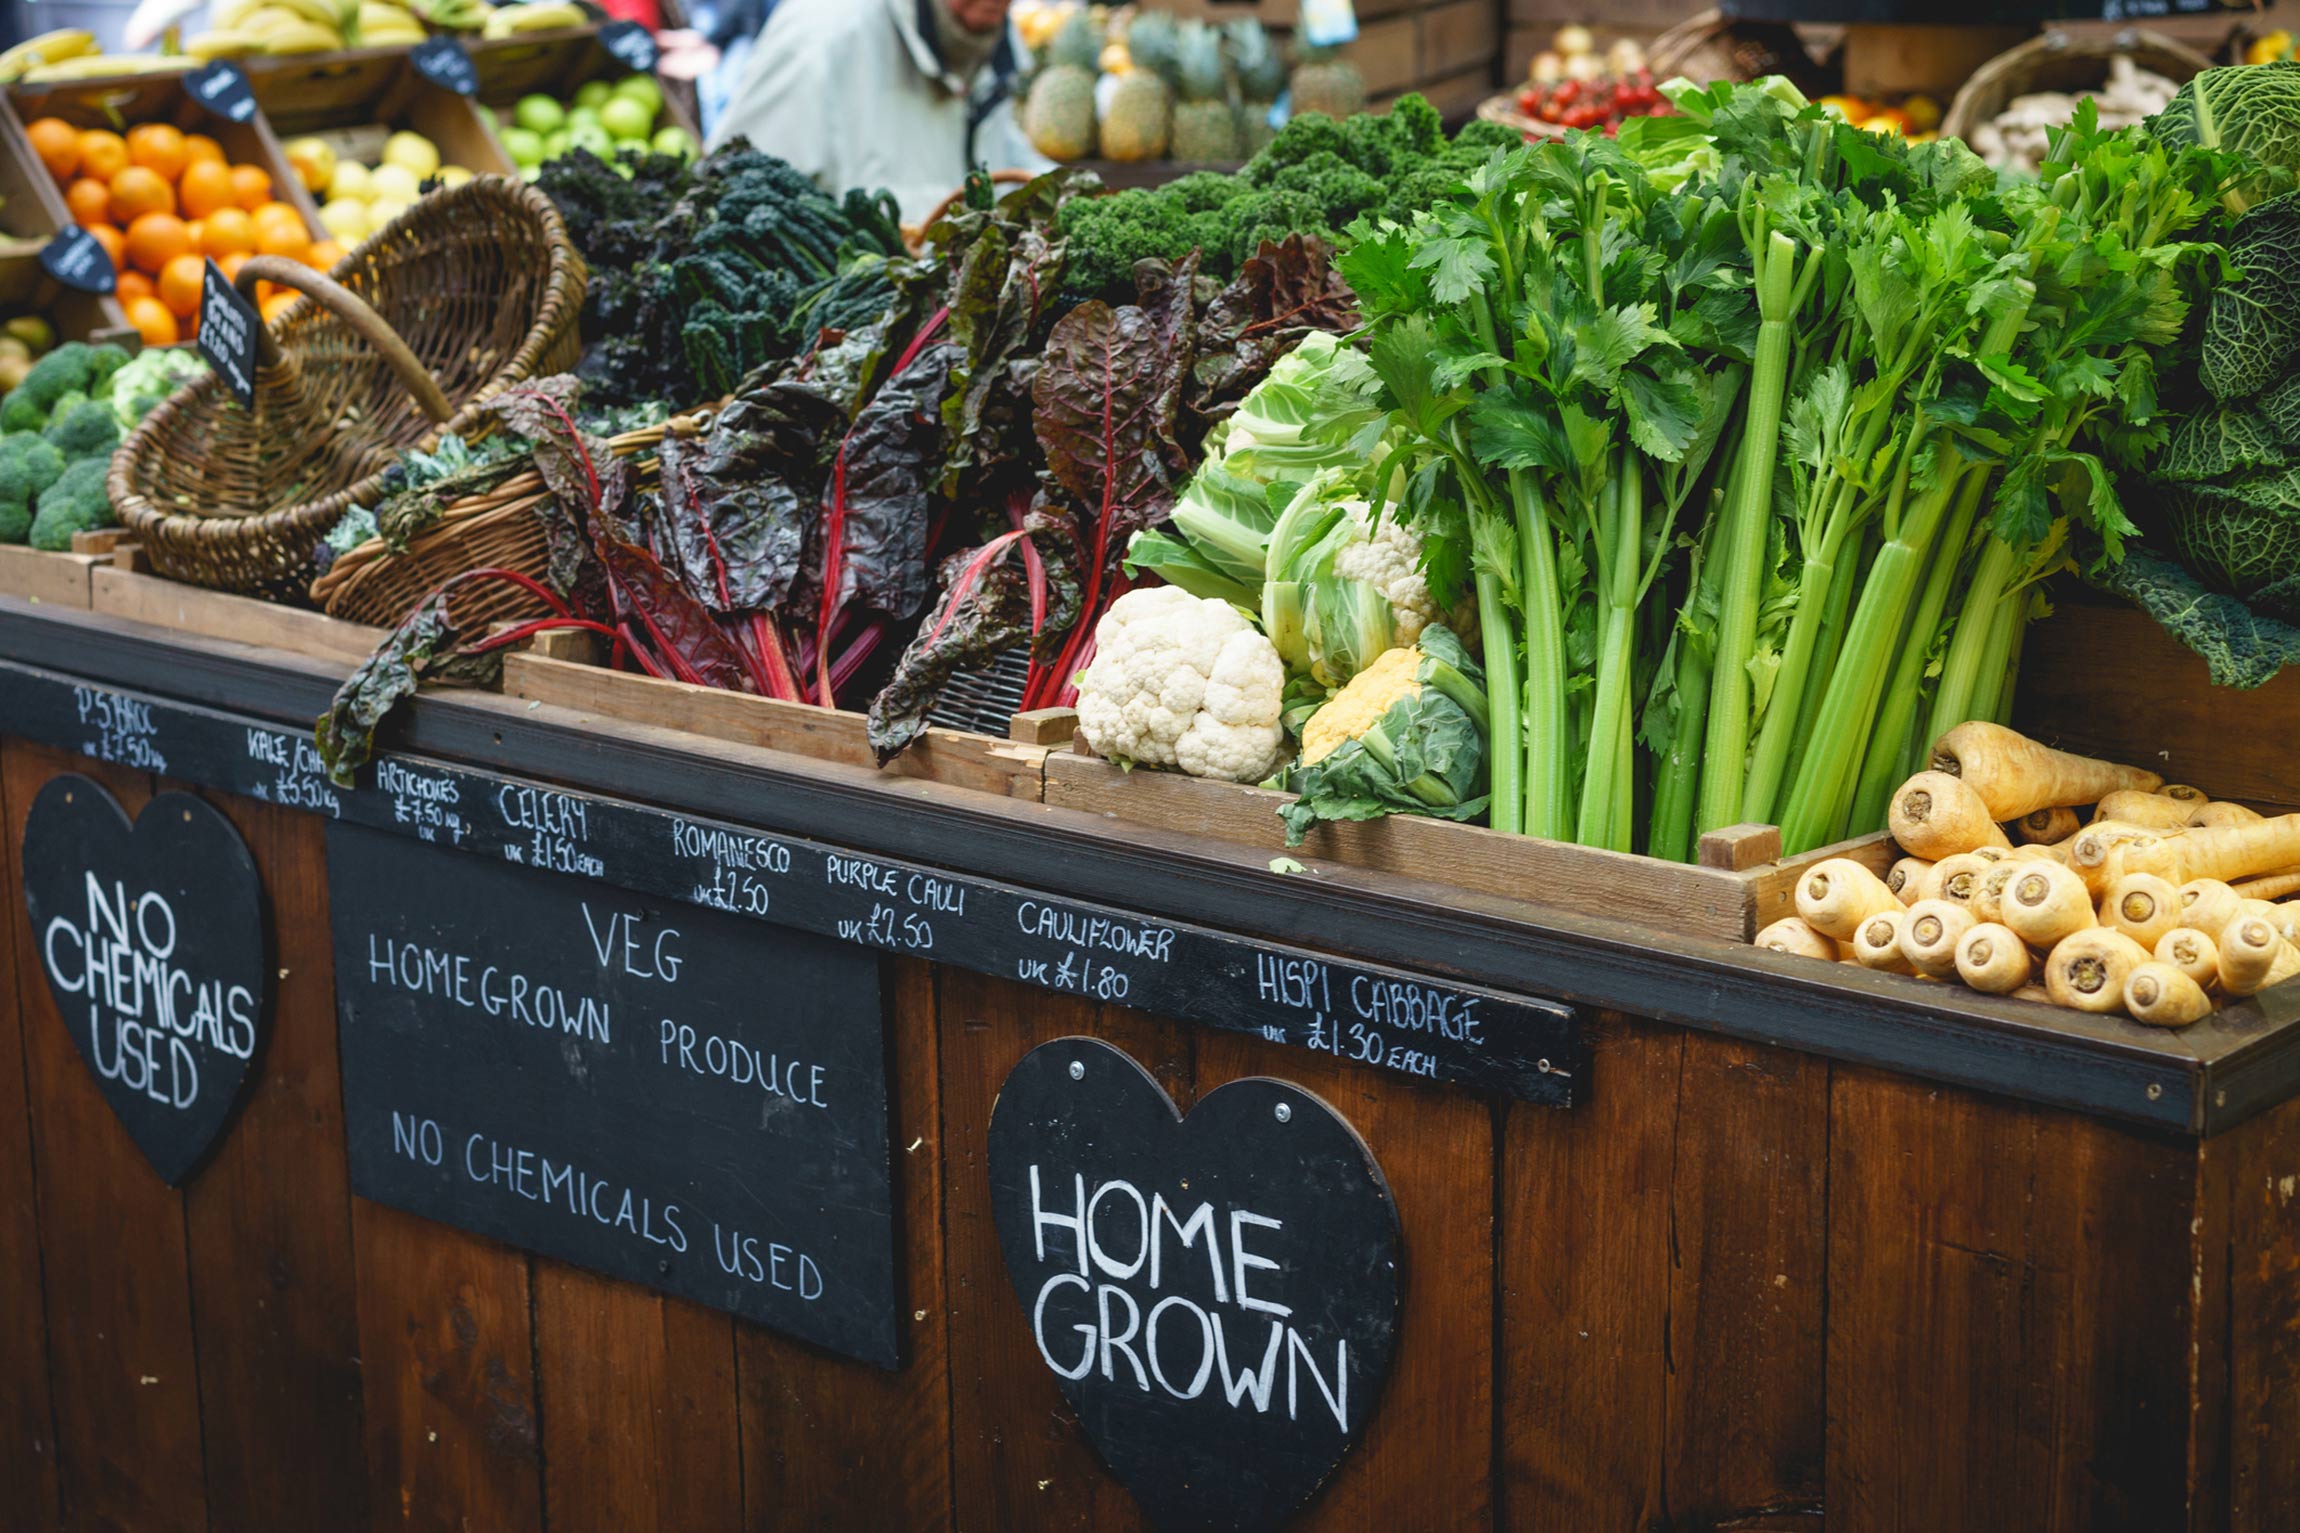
(1183, 681)
(1389, 558)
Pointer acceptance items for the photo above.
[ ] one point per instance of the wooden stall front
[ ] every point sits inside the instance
(1809, 1248)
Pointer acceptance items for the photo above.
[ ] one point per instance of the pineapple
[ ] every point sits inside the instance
(1205, 126)
(1137, 119)
(1078, 44)
(1151, 41)
(1326, 82)
(1058, 116)
(1261, 79)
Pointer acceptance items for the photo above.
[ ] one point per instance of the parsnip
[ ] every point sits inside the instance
(2159, 994)
(2153, 810)
(2193, 797)
(2254, 955)
(1905, 877)
(2087, 970)
(2033, 992)
(2208, 905)
(2276, 886)
(1988, 899)
(2226, 852)
(1930, 931)
(2222, 812)
(2045, 903)
(1836, 894)
(1791, 935)
(2143, 907)
(2047, 825)
(1936, 815)
(1877, 945)
(1956, 879)
(2015, 776)
(2090, 852)
(2193, 953)
(1992, 957)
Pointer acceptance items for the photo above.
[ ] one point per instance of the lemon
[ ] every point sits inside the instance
(383, 210)
(413, 152)
(346, 220)
(453, 175)
(394, 183)
(350, 180)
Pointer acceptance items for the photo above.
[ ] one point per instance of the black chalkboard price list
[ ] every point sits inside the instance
(668, 1095)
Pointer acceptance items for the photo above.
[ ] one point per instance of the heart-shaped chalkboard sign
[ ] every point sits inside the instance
(152, 937)
(1216, 1295)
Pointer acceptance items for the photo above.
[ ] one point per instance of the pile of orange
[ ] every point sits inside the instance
(163, 203)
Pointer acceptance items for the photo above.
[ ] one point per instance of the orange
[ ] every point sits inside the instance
(325, 255)
(277, 212)
(58, 145)
(199, 147)
(230, 265)
(278, 237)
(227, 231)
(134, 284)
(153, 321)
(180, 282)
(156, 239)
(276, 305)
(139, 190)
(90, 202)
(114, 242)
(157, 146)
(206, 186)
(102, 155)
(251, 188)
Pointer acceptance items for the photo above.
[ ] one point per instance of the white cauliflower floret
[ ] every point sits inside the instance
(1389, 558)
(1183, 681)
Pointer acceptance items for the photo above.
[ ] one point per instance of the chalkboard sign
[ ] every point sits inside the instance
(229, 330)
(630, 44)
(75, 259)
(223, 90)
(670, 1096)
(1216, 1295)
(152, 939)
(445, 62)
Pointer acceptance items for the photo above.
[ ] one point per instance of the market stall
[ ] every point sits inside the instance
(680, 853)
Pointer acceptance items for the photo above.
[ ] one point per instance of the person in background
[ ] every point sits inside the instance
(903, 94)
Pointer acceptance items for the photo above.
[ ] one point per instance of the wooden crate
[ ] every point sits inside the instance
(2107, 681)
(32, 207)
(145, 598)
(59, 579)
(354, 99)
(949, 756)
(555, 63)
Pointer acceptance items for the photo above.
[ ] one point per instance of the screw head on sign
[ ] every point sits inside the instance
(1078, 1069)
(1285, 1113)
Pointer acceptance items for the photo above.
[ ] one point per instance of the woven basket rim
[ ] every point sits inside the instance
(2011, 73)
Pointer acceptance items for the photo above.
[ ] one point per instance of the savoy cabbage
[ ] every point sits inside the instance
(2249, 110)
(2244, 648)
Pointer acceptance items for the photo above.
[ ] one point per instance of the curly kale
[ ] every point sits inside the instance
(1316, 177)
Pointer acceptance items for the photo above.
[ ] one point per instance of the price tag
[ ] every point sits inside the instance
(223, 90)
(229, 330)
(445, 63)
(76, 260)
(630, 44)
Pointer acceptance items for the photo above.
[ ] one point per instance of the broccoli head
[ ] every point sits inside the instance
(27, 467)
(84, 430)
(76, 502)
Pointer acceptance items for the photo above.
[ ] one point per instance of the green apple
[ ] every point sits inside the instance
(539, 114)
(592, 137)
(641, 88)
(592, 93)
(523, 146)
(581, 116)
(627, 117)
(555, 143)
(674, 140)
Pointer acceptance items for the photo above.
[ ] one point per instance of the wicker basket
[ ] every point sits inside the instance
(1504, 110)
(1712, 46)
(473, 289)
(498, 530)
(2063, 61)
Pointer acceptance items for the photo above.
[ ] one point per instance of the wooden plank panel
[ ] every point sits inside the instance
(2262, 1311)
(1749, 1223)
(221, 615)
(829, 1443)
(638, 1406)
(34, 575)
(1018, 1458)
(1428, 1449)
(1461, 36)
(1584, 1253)
(113, 1258)
(27, 1416)
(448, 1368)
(2010, 1315)
(269, 1220)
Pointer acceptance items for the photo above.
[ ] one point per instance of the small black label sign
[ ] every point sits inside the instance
(1217, 1295)
(223, 90)
(152, 940)
(76, 260)
(445, 62)
(630, 44)
(671, 1096)
(229, 330)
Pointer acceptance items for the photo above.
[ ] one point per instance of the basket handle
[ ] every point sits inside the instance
(354, 311)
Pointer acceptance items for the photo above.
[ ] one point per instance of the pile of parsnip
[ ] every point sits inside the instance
(2159, 907)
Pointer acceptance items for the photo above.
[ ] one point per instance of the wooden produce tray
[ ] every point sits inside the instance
(953, 757)
(62, 580)
(118, 588)
(353, 100)
(32, 208)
